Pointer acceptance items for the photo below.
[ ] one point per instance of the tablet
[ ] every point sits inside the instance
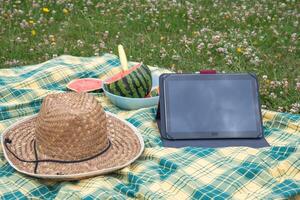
(209, 106)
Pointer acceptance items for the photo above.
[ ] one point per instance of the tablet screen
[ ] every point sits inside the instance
(202, 106)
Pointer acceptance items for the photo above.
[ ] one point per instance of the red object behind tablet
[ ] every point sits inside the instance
(208, 71)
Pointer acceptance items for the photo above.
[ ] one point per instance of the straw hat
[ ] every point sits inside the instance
(71, 138)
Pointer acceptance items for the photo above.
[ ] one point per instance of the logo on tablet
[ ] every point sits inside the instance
(214, 133)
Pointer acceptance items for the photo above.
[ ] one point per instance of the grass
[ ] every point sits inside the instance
(230, 36)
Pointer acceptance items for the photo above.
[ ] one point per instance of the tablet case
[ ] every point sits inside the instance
(210, 143)
(216, 143)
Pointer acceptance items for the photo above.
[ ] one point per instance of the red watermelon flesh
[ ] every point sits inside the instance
(85, 84)
(122, 74)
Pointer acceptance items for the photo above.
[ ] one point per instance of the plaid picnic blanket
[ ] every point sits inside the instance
(160, 173)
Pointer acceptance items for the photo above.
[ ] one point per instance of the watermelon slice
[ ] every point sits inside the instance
(135, 82)
(85, 85)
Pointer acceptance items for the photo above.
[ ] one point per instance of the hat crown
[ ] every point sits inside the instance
(71, 126)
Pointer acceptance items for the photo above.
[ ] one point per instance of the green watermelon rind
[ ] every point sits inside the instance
(131, 85)
(143, 81)
(137, 84)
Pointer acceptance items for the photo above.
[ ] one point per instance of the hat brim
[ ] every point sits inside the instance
(126, 146)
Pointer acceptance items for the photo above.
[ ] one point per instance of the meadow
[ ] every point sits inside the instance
(262, 37)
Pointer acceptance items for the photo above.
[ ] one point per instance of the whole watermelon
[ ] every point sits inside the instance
(135, 82)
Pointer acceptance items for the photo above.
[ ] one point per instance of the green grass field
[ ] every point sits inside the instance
(230, 36)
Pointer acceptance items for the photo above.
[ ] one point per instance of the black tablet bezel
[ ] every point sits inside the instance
(206, 135)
